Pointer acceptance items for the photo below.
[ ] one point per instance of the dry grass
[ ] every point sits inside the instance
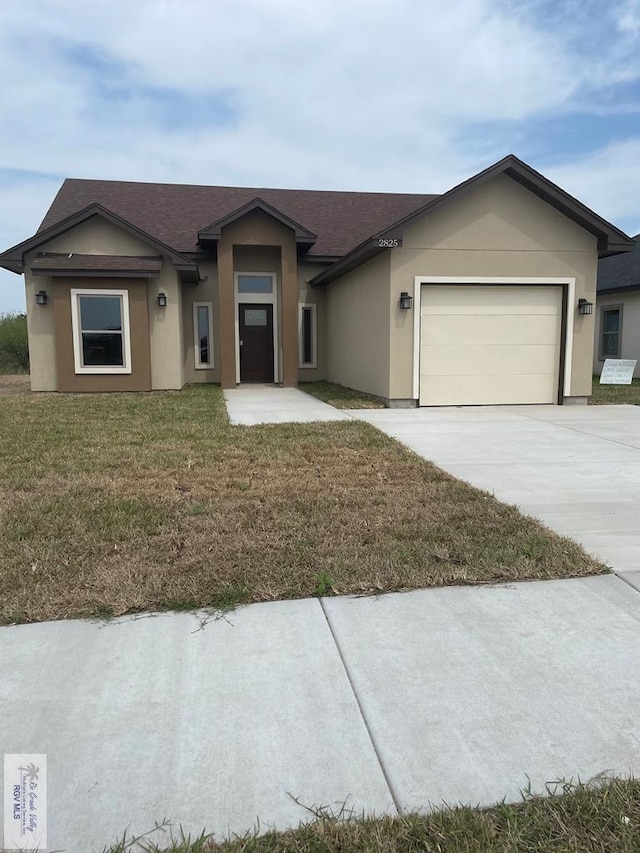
(12, 383)
(121, 503)
(585, 819)
(341, 397)
(606, 395)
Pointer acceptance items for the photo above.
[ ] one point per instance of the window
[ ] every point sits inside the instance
(308, 336)
(255, 284)
(610, 332)
(101, 339)
(203, 335)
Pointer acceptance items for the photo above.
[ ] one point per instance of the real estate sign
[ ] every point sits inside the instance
(618, 371)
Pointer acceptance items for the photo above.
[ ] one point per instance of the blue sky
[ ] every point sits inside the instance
(392, 95)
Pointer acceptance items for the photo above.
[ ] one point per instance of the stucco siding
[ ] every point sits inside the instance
(630, 303)
(205, 291)
(358, 320)
(97, 236)
(165, 330)
(314, 296)
(498, 229)
(41, 332)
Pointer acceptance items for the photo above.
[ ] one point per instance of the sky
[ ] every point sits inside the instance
(384, 95)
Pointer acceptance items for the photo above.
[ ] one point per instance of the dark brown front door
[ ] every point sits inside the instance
(256, 342)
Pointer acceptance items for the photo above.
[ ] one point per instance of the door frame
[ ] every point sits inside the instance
(566, 335)
(263, 298)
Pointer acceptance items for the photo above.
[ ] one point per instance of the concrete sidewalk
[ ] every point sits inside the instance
(395, 702)
(576, 468)
(249, 405)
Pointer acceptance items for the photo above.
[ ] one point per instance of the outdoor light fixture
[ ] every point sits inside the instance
(162, 300)
(41, 297)
(405, 300)
(585, 307)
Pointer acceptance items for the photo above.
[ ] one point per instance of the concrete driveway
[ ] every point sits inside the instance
(463, 694)
(576, 468)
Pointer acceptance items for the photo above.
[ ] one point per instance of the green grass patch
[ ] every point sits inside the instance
(341, 397)
(580, 819)
(607, 395)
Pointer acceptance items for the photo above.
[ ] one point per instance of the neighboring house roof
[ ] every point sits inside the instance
(63, 263)
(621, 272)
(175, 213)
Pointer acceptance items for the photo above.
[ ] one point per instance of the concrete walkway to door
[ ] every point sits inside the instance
(268, 404)
(576, 468)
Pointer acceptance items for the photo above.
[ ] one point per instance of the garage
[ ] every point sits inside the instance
(489, 344)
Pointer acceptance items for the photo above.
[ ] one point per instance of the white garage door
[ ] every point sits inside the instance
(489, 344)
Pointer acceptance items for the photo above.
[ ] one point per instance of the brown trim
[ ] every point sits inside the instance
(82, 216)
(57, 273)
(545, 189)
(564, 322)
(68, 380)
(611, 240)
(213, 231)
(355, 258)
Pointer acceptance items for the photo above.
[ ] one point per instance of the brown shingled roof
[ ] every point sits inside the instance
(174, 213)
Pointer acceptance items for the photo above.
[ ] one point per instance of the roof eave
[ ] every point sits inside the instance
(212, 233)
(367, 250)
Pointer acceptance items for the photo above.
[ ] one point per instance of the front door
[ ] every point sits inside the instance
(256, 342)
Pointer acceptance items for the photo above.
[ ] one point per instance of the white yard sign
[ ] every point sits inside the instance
(618, 371)
(25, 802)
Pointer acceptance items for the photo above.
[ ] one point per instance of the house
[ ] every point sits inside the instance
(464, 298)
(618, 309)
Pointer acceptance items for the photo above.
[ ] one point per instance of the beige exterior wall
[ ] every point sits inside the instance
(358, 317)
(41, 331)
(630, 303)
(314, 296)
(100, 237)
(165, 330)
(498, 229)
(205, 291)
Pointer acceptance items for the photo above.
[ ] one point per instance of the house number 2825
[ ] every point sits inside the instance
(388, 244)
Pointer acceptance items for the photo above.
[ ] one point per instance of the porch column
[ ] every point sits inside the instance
(289, 313)
(226, 307)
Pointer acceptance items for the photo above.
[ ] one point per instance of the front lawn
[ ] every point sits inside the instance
(604, 395)
(130, 502)
(586, 818)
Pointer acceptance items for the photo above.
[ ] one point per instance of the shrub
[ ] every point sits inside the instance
(14, 345)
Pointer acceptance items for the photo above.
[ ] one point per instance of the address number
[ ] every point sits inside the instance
(388, 244)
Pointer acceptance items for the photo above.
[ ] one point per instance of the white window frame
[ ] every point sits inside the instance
(302, 306)
(80, 368)
(261, 298)
(201, 365)
(570, 283)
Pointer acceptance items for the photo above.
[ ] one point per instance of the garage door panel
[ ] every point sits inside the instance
(489, 344)
(492, 361)
(488, 328)
(450, 390)
(500, 299)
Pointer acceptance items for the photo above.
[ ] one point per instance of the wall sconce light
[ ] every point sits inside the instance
(585, 307)
(41, 297)
(406, 301)
(162, 300)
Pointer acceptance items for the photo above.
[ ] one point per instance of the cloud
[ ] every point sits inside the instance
(410, 95)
